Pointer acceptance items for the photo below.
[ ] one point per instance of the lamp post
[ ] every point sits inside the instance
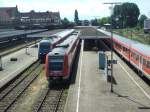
(1, 67)
(111, 8)
(26, 43)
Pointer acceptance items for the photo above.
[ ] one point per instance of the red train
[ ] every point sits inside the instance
(60, 60)
(134, 52)
(45, 46)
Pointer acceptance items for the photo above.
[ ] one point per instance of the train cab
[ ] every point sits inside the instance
(55, 64)
(44, 48)
(59, 61)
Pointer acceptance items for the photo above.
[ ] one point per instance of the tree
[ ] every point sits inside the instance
(118, 16)
(65, 22)
(76, 18)
(127, 14)
(94, 22)
(103, 21)
(141, 20)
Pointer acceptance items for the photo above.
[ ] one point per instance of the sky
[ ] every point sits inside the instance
(87, 9)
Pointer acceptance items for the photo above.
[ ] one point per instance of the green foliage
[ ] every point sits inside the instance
(104, 20)
(94, 22)
(65, 21)
(127, 14)
(137, 34)
(141, 20)
(76, 18)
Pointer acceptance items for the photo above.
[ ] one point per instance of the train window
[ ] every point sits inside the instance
(141, 59)
(56, 66)
(131, 54)
(56, 63)
(44, 46)
(124, 49)
(144, 61)
(148, 64)
(137, 57)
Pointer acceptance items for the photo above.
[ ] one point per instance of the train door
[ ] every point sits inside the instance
(141, 62)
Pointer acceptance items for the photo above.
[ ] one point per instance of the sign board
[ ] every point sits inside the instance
(112, 62)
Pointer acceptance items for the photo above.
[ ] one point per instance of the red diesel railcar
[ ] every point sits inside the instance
(59, 61)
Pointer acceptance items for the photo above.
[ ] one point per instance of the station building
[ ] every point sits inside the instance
(10, 16)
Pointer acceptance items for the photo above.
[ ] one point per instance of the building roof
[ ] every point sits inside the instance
(33, 14)
(8, 11)
(56, 14)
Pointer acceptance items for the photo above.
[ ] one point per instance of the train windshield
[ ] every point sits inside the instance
(44, 47)
(56, 64)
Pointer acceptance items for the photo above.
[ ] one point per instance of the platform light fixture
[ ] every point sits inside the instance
(111, 8)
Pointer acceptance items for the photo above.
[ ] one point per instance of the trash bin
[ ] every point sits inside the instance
(102, 60)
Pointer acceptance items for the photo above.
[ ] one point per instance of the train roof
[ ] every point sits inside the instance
(48, 34)
(141, 48)
(67, 41)
(45, 41)
(62, 48)
(57, 51)
(137, 46)
(55, 37)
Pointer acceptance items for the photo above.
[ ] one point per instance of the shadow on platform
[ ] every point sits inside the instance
(142, 106)
(113, 80)
(75, 66)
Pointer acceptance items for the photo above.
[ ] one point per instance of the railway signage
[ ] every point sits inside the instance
(112, 62)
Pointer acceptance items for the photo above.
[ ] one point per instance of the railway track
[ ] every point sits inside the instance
(51, 100)
(8, 44)
(15, 89)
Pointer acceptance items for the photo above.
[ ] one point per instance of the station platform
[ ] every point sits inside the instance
(91, 91)
(13, 68)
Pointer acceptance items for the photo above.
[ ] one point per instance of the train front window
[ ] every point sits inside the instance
(148, 64)
(55, 64)
(44, 46)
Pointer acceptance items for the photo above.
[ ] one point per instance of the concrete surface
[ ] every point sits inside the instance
(91, 91)
(13, 68)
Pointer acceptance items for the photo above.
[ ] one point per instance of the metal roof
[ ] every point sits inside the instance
(18, 32)
(48, 34)
(64, 33)
(40, 35)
